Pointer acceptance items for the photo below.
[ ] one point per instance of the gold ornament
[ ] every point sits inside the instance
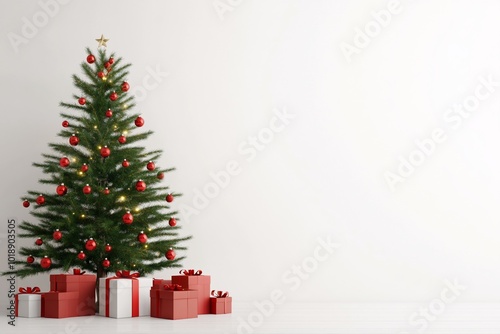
(102, 41)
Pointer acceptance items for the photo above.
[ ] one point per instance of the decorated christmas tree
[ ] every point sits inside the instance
(106, 208)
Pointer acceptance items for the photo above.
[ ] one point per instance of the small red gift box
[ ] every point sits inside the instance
(84, 285)
(194, 280)
(178, 304)
(155, 295)
(220, 303)
(60, 304)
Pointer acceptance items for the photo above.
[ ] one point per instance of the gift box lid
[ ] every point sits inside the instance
(185, 280)
(125, 283)
(177, 294)
(55, 295)
(29, 297)
(70, 278)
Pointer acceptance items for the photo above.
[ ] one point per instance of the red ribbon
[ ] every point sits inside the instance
(190, 272)
(219, 294)
(29, 290)
(175, 287)
(78, 272)
(125, 274)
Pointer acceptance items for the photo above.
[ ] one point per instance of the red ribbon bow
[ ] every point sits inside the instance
(78, 272)
(29, 290)
(175, 287)
(219, 294)
(190, 272)
(126, 274)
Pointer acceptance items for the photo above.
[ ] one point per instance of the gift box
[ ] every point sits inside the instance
(194, 280)
(158, 285)
(60, 304)
(178, 304)
(84, 285)
(220, 302)
(28, 303)
(125, 295)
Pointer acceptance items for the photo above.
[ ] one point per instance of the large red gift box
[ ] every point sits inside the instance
(220, 303)
(60, 304)
(194, 280)
(83, 285)
(155, 295)
(178, 304)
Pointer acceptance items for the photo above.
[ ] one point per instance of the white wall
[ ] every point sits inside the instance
(322, 176)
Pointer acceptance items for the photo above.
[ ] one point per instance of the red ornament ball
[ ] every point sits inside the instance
(84, 168)
(65, 124)
(151, 165)
(64, 162)
(160, 175)
(107, 65)
(90, 245)
(46, 262)
(61, 189)
(125, 87)
(82, 101)
(122, 139)
(125, 163)
(81, 255)
(40, 200)
(172, 222)
(107, 248)
(39, 242)
(113, 96)
(109, 113)
(26, 203)
(170, 254)
(74, 140)
(128, 218)
(140, 185)
(87, 189)
(169, 198)
(142, 237)
(106, 191)
(111, 60)
(57, 235)
(106, 263)
(100, 74)
(105, 152)
(139, 121)
(90, 59)
(30, 259)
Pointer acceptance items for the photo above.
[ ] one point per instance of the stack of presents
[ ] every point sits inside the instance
(124, 295)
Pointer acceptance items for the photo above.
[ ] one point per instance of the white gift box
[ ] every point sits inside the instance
(29, 305)
(120, 297)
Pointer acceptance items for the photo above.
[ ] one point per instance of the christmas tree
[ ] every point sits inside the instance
(106, 209)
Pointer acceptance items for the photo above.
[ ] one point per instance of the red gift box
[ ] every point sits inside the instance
(178, 304)
(155, 296)
(84, 285)
(220, 303)
(194, 280)
(60, 304)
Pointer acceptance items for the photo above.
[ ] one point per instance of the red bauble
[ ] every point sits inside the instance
(151, 166)
(65, 124)
(46, 262)
(106, 191)
(107, 248)
(26, 203)
(105, 152)
(106, 263)
(100, 74)
(111, 60)
(170, 254)
(109, 113)
(39, 242)
(87, 189)
(81, 255)
(82, 101)
(107, 65)
(122, 139)
(84, 168)
(169, 198)
(57, 235)
(30, 259)
(125, 163)
(160, 175)
(125, 86)
(140, 185)
(128, 218)
(139, 121)
(74, 140)
(64, 162)
(90, 245)
(113, 96)
(40, 200)
(142, 237)
(61, 189)
(172, 222)
(90, 59)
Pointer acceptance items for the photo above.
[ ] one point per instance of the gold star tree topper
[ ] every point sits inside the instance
(102, 41)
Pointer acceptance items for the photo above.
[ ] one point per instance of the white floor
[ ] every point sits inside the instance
(304, 318)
